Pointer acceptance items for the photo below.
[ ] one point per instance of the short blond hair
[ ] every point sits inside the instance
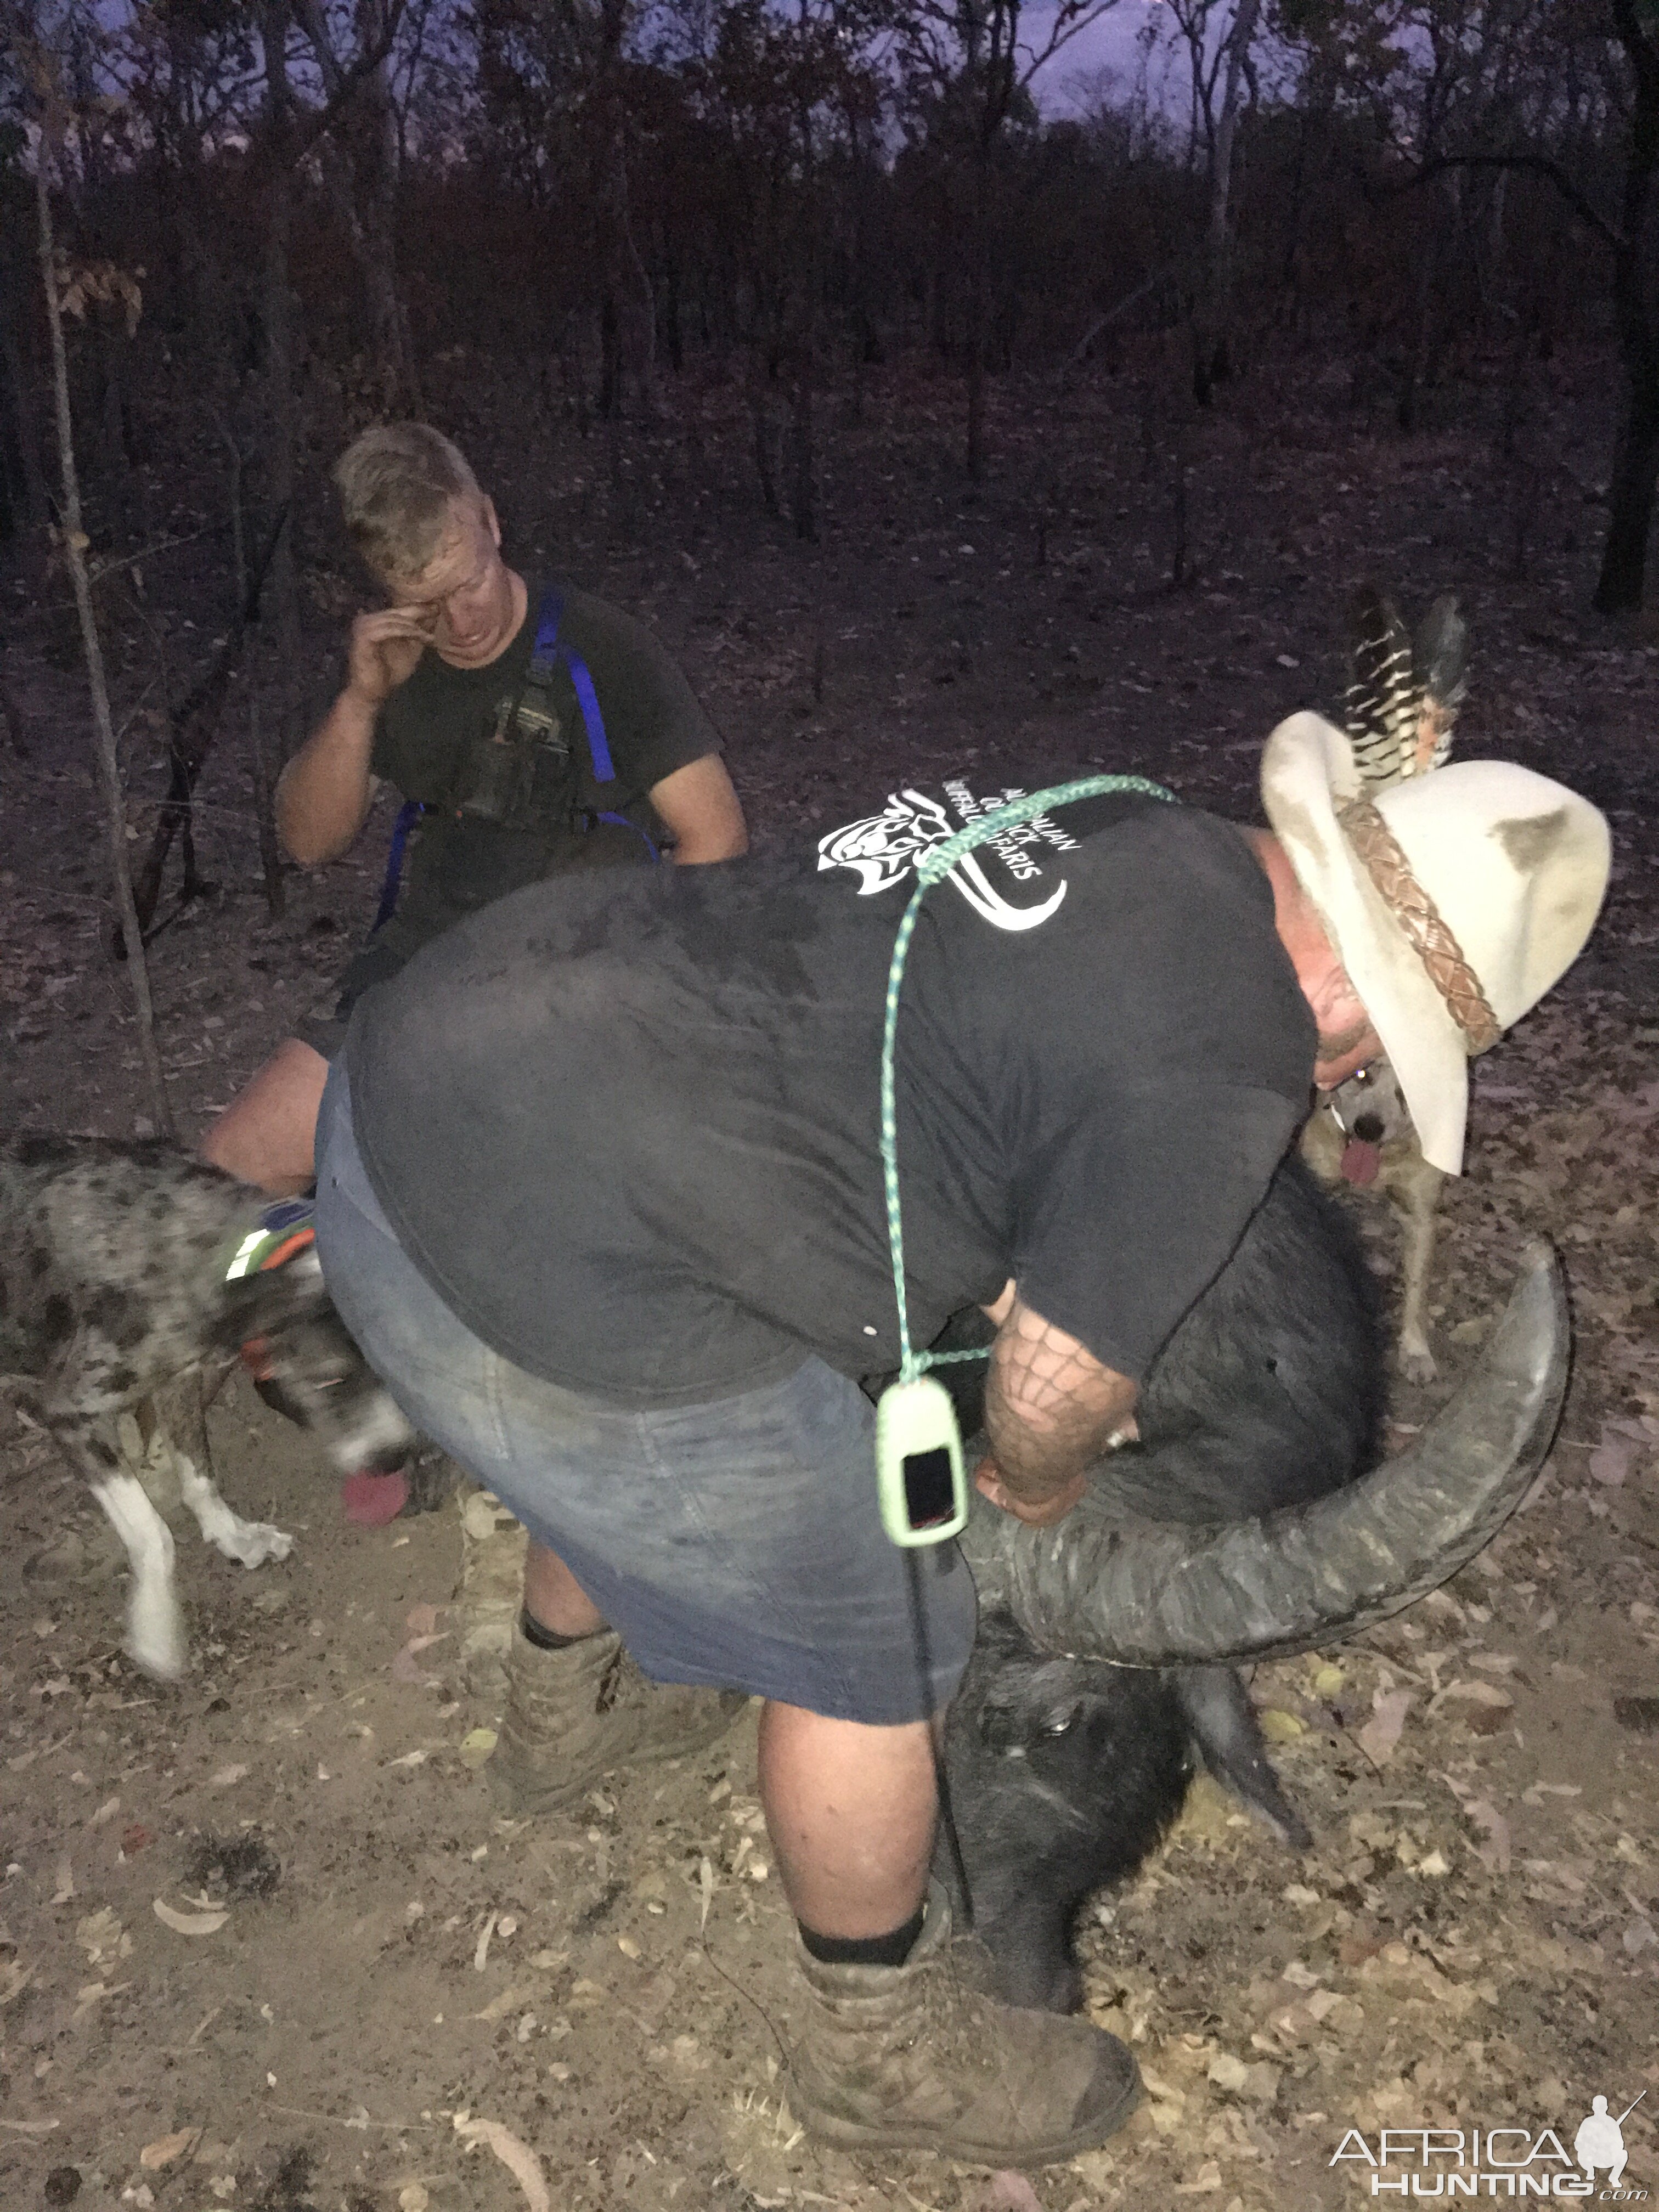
(397, 482)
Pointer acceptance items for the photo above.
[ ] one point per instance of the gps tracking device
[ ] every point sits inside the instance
(920, 1479)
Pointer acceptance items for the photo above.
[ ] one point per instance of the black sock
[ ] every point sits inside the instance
(865, 1950)
(548, 1640)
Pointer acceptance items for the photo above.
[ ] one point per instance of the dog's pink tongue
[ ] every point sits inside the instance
(372, 1500)
(1360, 1161)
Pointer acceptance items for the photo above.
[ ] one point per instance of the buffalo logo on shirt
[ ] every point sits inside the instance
(883, 848)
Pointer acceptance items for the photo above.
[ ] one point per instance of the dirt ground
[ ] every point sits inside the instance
(362, 1963)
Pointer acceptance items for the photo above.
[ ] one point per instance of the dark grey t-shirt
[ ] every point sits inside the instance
(627, 1126)
(427, 742)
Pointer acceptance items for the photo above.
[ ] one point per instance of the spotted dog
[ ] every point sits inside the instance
(124, 1267)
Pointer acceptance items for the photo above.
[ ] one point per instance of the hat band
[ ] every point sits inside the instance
(1420, 919)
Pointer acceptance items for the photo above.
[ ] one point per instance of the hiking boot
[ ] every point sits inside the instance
(574, 1714)
(915, 2057)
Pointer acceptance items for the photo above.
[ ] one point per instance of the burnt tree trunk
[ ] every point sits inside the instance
(36, 502)
(1623, 556)
(378, 175)
(1422, 349)
(803, 459)
(280, 412)
(979, 302)
(362, 174)
(108, 764)
(1212, 325)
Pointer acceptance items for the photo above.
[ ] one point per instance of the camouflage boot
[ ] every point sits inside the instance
(915, 2057)
(573, 1715)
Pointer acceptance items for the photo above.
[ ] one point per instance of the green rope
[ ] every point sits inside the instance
(937, 861)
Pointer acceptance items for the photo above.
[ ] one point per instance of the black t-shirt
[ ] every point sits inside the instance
(629, 1128)
(439, 734)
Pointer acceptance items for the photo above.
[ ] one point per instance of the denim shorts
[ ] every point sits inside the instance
(735, 1543)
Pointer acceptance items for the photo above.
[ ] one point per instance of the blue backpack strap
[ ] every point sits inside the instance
(622, 822)
(547, 652)
(408, 815)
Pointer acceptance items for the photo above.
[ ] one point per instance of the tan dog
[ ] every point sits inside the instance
(1361, 1133)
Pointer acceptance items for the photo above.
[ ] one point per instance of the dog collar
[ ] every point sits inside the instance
(282, 1230)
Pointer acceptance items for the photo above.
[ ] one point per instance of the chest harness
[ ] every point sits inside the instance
(503, 775)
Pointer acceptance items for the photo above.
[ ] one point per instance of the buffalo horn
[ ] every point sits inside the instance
(1164, 1594)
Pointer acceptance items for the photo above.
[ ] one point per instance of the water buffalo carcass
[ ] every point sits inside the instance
(1244, 1524)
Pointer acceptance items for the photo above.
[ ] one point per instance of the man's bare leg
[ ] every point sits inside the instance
(850, 1811)
(895, 2049)
(554, 1598)
(267, 1133)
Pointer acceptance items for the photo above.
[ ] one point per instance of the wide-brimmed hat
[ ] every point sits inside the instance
(1454, 900)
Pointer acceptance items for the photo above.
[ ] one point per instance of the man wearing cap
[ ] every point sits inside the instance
(601, 1196)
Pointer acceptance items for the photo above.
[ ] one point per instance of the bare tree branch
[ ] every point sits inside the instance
(1540, 165)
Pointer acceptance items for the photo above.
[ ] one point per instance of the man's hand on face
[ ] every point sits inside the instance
(385, 648)
(1035, 1514)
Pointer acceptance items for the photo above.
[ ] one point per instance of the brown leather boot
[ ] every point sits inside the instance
(915, 2057)
(574, 1714)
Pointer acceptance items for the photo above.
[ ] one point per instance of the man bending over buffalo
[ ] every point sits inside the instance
(600, 1195)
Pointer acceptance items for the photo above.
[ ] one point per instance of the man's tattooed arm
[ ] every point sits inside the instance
(1051, 1409)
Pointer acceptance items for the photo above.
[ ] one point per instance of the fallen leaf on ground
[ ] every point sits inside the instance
(1610, 1463)
(1208, 2178)
(520, 2161)
(1380, 1734)
(1279, 1726)
(1472, 1693)
(166, 2149)
(404, 1668)
(102, 1935)
(422, 1619)
(482, 1952)
(189, 1924)
(510, 1999)
(476, 1745)
(1494, 1853)
(14, 1980)
(1010, 2192)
